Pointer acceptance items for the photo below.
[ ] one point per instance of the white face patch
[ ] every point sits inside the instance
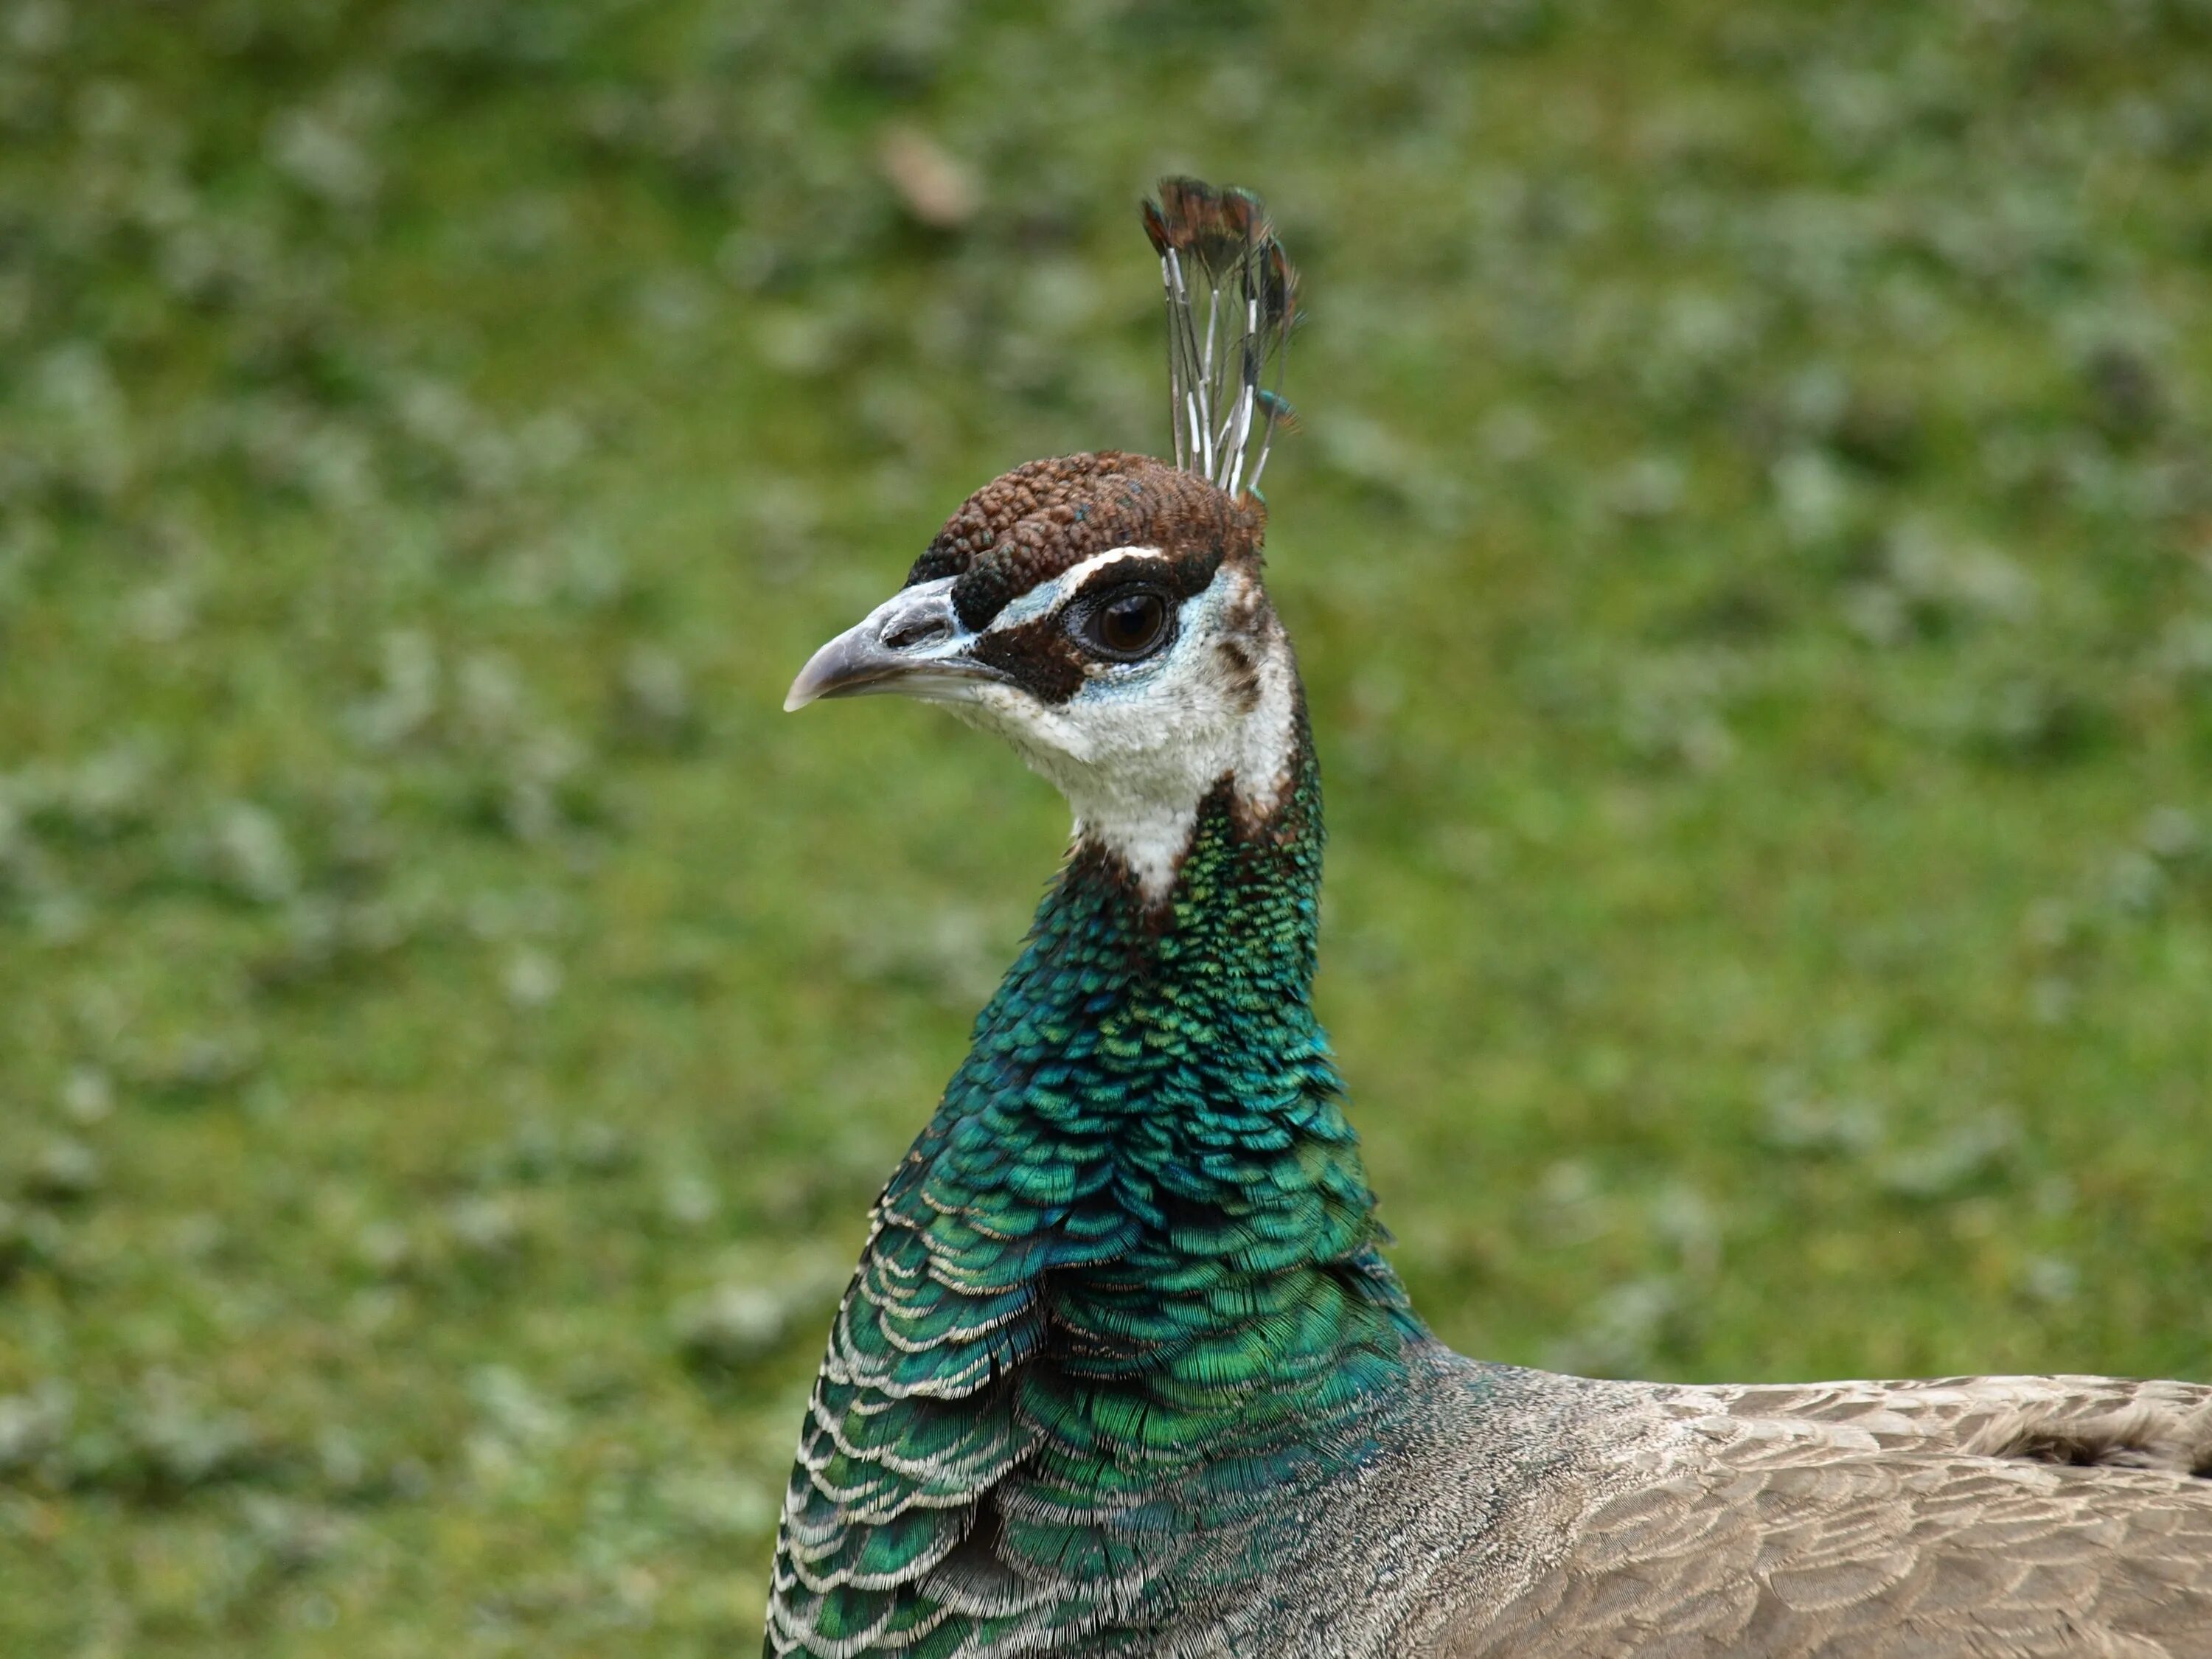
(1141, 744)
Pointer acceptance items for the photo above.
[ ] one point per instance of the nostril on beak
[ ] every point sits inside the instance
(910, 633)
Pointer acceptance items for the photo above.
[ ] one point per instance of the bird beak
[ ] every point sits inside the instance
(913, 643)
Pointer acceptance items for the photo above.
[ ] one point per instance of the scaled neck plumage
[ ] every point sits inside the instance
(1124, 1291)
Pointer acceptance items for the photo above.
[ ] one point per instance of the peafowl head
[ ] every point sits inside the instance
(1105, 612)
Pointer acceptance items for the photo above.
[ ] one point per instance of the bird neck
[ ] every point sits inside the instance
(1149, 1118)
(1121, 1319)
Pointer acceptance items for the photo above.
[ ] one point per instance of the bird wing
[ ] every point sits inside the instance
(1998, 1517)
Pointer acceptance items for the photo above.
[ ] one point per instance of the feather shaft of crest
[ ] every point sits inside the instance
(1188, 378)
(1266, 445)
(1224, 380)
(1170, 280)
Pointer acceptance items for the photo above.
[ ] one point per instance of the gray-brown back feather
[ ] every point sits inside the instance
(1997, 1517)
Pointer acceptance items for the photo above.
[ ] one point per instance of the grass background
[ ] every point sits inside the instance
(1751, 546)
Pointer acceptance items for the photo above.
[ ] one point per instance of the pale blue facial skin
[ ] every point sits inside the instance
(1116, 683)
(1196, 636)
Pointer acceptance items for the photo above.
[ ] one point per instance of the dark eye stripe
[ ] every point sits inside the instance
(1037, 656)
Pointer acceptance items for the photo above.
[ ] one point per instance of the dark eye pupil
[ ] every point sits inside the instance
(1131, 623)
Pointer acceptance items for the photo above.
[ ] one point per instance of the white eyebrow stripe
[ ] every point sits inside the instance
(1041, 600)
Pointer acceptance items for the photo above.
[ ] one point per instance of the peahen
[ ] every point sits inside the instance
(1122, 1369)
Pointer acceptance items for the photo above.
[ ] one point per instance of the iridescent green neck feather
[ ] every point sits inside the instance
(1122, 1295)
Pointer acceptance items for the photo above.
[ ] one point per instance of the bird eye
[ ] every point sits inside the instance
(1129, 626)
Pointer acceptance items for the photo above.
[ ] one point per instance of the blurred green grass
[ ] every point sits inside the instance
(1751, 546)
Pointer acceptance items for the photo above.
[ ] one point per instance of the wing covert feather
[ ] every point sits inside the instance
(1983, 1518)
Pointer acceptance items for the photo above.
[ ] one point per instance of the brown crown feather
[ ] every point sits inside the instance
(1040, 520)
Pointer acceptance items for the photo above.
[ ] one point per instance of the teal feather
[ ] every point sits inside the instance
(1123, 1292)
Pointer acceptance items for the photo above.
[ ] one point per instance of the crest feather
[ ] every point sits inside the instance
(1232, 301)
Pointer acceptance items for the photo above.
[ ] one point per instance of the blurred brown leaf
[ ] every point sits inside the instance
(933, 185)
